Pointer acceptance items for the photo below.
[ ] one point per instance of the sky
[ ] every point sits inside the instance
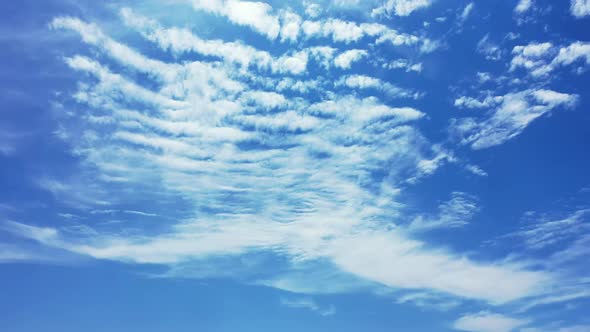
(329, 165)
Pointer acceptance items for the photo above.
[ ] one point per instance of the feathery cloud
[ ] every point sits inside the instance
(488, 322)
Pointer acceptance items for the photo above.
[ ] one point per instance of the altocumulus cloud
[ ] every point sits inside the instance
(285, 148)
(297, 170)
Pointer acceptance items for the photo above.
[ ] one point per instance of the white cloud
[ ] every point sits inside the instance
(485, 321)
(490, 50)
(367, 82)
(345, 3)
(93, 35)
(11, 140)
(577, 250)
(308, 303)
(352, 252)
(558, 326)
(295, 63)
(182, 41)
(290, 26)
(311, 28)
(577, 328)
(37, 233)
(400, 7)
(312, 10)
(506, 121)
(256, 15)
(343, 30)
(260, 171)
(476, 170)
(363, 110)
(397, 39)
(484, 77)
(115, 81)
(301, 86)
(12, 253)
(532, 57)
(540, 59)
(348, 32)
(523, 6)
(265, 99)
(429, 166)
(543, 232)
(456, 212)
(286, 121)
(326, 194)
(345, 59)
(404, 64)
(470, 102)
(580, 8)
(466, 12)
(565, 295)
(360, 81)
(428, 300)
(575, 51)
(458, 276)
(322, 54)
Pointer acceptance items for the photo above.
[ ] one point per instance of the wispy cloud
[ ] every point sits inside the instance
(346, 59)
(580, 8)
(543, 233)
(489, 49)
(429, 301)
(466, 12)
(456, 212)
(263, 171)
(540, 59)
(308, 303)
(488, 322)
(288, 147)
(256, 15)
(509, 116)
(523, 6)
(400, 7)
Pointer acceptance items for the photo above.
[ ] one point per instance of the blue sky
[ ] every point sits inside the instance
(228, 165)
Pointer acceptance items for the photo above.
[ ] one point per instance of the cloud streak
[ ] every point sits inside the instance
(509, 116)
(294, 146)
